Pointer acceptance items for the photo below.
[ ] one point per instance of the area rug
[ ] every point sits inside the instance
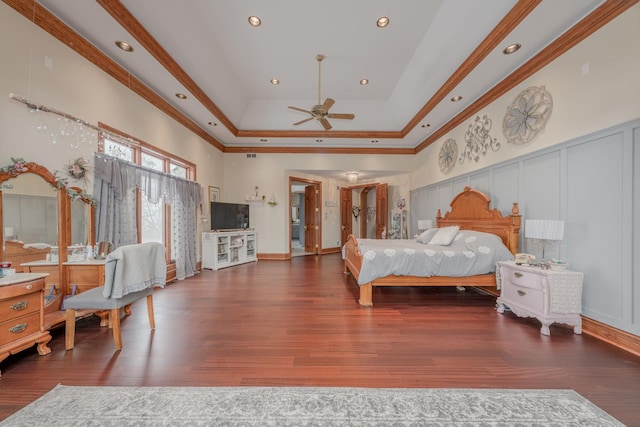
(307, 406)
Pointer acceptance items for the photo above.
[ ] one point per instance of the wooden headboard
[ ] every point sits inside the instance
(470, 211)
(16, 253)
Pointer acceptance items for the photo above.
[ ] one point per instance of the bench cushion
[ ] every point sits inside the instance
(94, 299)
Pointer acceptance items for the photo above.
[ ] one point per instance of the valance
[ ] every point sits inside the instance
(122, 175)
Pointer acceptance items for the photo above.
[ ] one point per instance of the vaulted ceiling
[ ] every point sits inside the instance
(429, 52)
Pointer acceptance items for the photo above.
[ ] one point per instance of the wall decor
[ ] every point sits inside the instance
(448, 155)
(478, 139)
(527, 115)
(214, 194)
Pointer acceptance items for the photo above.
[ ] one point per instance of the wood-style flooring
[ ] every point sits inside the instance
(297, 323)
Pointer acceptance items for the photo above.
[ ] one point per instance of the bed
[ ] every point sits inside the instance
(469, 211)
(19, 252)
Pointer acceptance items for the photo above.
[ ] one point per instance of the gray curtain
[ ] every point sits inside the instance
(115, 184)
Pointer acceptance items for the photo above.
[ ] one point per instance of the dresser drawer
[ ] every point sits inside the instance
(529, 297)
(19, 327)
(524, 279)
(20, 305)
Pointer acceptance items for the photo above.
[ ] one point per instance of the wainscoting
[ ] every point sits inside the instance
(593, 184)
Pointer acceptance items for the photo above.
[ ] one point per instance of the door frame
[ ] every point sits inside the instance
(318, 187)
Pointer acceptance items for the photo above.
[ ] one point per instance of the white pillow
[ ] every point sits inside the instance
(445, 236)
(427, 235)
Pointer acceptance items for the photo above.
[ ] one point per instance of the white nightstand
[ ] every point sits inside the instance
(548, 295)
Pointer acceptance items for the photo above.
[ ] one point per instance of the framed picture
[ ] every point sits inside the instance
(214, 194)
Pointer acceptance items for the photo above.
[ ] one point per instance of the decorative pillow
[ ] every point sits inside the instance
(427, 235)
(445, 236)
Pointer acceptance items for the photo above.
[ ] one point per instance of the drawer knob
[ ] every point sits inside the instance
(521, 292)
(18, 328)
(518, 274)
(20, 305)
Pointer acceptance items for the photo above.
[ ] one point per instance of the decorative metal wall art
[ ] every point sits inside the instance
(527, 116)
(448, 155)
(478, 139)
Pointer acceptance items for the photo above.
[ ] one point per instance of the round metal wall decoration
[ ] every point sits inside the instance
(448, 155)
(527, 116)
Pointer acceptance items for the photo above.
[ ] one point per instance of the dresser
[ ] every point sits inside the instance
(548, 295)
(22, 314)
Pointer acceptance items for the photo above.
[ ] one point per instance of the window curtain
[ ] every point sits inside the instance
(115, 184)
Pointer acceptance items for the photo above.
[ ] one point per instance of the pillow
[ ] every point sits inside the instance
(427, 235)
(445, 236)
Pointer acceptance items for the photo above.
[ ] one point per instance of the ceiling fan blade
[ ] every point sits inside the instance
(328, 103)
(341, 116)
(325, 123)
(302, 121)
(300, 109)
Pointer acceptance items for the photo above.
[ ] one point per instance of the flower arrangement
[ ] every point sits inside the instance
(78, 168)
(18, 166)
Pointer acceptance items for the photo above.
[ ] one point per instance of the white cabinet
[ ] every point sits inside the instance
(222, 249)
(549, 296)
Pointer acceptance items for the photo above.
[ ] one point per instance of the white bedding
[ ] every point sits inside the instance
(471, 253)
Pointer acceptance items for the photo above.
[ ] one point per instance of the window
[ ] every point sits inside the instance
(154, 219)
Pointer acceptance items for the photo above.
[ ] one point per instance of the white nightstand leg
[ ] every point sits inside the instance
(545, 328)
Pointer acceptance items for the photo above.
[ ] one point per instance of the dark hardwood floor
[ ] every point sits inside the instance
(295, 323)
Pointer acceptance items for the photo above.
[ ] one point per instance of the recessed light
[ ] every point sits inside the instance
(456, 98)
(124, 46)
(364, 82)
(212, 124)
(512, 48)
(318, 140)
(374, 141)
(275, 81)
(382, 22)
(254, 21)
(181, 95)
(426, 125)
(263, 140)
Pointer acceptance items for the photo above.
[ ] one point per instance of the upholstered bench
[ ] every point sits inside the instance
(94, 299)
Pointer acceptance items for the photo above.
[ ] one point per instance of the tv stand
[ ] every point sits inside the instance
(221, 249)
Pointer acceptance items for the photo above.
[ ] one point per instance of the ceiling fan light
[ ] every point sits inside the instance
(352, 177)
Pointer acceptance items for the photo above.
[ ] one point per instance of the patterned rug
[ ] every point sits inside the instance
(307, 406)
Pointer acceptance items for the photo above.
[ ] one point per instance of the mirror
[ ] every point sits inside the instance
(29, 214)
(82, 211)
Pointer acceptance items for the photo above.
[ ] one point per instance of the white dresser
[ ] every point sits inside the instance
(548, 295)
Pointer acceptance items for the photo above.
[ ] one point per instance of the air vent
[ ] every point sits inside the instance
(251, 155)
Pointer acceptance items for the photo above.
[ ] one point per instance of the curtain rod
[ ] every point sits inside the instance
(67, 116)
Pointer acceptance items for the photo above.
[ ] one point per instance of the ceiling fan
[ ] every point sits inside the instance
(320, 112)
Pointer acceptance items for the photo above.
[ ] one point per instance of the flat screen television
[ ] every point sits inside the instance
(229, 216)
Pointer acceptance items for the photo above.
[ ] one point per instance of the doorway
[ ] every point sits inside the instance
(366, 206)
(304, 217)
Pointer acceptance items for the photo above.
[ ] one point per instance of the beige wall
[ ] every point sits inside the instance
(38, 67)
(594, 86)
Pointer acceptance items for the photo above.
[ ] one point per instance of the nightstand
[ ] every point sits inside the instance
(548, 295)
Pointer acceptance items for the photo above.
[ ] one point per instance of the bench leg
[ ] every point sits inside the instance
(114, 319)
(152, 321)
(70, 329)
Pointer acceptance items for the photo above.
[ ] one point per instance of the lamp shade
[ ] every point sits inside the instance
(425, 224)
(544, 229)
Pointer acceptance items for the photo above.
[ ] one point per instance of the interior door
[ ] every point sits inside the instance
(311, 219)
(346, 222)
(381, 210)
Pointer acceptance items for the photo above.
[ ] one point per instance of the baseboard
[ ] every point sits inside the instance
(276, 257)
(330, 250)
(611, 335)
